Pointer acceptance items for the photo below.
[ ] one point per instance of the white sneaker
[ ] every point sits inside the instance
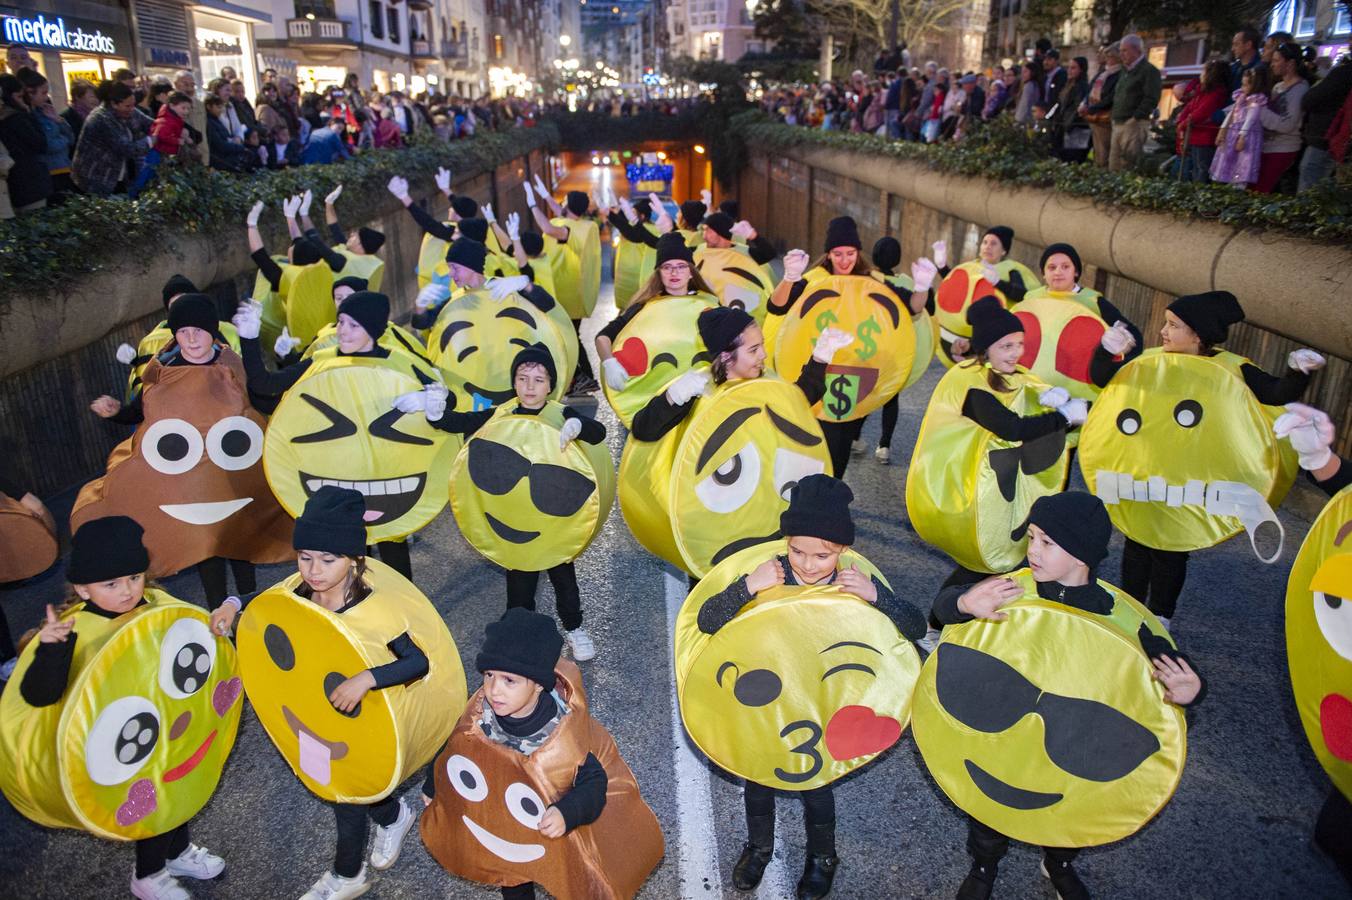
(160, 886)
(930, 640)
(196, 862)
(580, 644)
(883, 455)
(389, 838)
(856, 448)
(1165, 622)
(335, 887)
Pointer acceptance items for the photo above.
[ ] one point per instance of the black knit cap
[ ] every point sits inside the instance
(670, 247)
(467, 252)
(355, 282)
(887, 254)
(1003, 233)
(721, 223)
(465, 207)
(842, 232)
(731, 209)
(370, 239)
(107, 548)
(305, 252)
(644, 207)
(522, 643)
(177, 284)
(195, 311)
(1210, 314)
(475, 229)
(1077, 522)
(533, 243)
(576, 202)
(536, 353)
(692, 212)
(333, 521)
(990, 321)
(819, 506)
(720, 325)
(1068, 250)
(371, 310)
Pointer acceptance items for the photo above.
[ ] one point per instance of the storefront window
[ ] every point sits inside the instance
(316, 78)
(225, 43)
(90, 68)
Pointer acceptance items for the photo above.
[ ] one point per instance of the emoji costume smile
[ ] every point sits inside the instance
(386, 498)
(513, 853)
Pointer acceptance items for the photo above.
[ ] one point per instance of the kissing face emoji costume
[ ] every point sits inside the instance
(136, 746)
(806, 684)
(1067, 749)
(293, 653)
(736, 278)
(1319, 638)
(657, 346)
(963, 286)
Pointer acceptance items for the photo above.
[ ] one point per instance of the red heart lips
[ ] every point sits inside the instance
(1335, 721)
(633, 355)
(856, 731)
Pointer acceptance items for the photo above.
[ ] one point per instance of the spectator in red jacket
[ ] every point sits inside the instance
(166, 136)
(1196, 142)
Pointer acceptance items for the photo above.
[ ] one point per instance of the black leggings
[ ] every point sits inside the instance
(352, 830)
(1154, 577)
(584, 366)
(395, 555)
(989, 846)
(819, 809)
(212, 573)
(521, 592)
(891, 409)
(519, 891)
(839, 436)
(7, 651)
(1333, 832)
(153, 852)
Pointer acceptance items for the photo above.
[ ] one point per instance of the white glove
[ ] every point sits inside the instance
(248, 319)
(617, 376)
(436, 401)
(332, 196)
(598, 199)
(1075, 411)
(399, 187)
(254, 213)
(1310, 431)
(743, 230)
(923, 273)
(501, 288)
(413, 401)
(540, 186)
(940, 249)
(628, 209)
(513, 227)
(290, 206)
(795, 264)
(1117, 340)
(431, 295)
(284, 344)
(990, 273)
(125, 354)
(530, 195)
(1054, 397)
(830, 340)
(488, 213)
(306, 199)
(443, 179)
(687, 387)
(570, 429)
(707, 198)
(1305, 360)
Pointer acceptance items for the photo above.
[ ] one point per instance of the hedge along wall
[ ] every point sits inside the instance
(59, 346)
(1296, 293)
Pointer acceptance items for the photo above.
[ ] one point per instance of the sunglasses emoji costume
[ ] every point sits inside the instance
(963, 286)
(520, 500)
(736, 278)
(1183, 454)
(805, 684)
(136, 745)
(192, 473)
(1074, 748)
(293, 653)
(27, 546)
(717, 483)
(483, 823)
(658, 345)
(1319, 638)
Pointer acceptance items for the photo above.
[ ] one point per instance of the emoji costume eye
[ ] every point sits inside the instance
(1188, 413)
(1128, 422)
(187, 655)
(340, 426)
(331, 683)
(121, 740)
(235, 443)
(755, 688)
(279, 648)
(1332, 612)
(731, 485)
(791, 468)
(172, 446)
(467, 778)
(383, 427)
(524, 804)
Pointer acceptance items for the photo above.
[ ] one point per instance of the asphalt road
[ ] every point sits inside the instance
(1239, 825)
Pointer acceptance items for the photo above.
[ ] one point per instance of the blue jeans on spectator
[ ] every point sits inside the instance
(148, 166)
(893, 119)
(1315, 166)
(1197, 164)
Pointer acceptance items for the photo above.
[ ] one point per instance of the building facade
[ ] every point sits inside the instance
(712, 29)
(630, 36)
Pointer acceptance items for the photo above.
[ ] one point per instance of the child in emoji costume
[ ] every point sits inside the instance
(636, 254)
(577, 271)
(567, 497)
(121, 713)
(358, 249)
(158, 338)
(530, 788)
(654, 340)
(886, 257)
(198, 442)
(295, 293)
(1180, 447)
(736, 271)
(340, 613)
(1110, 747)
(991, 274)
(437, 235)
(818, 529)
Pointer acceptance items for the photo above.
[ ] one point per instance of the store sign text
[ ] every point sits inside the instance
(44, 32)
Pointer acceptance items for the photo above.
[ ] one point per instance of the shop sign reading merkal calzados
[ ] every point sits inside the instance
(63, 33)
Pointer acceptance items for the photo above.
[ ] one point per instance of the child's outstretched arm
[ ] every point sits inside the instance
(580, 806)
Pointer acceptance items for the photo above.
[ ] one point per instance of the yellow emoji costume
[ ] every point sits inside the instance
(363, 265)
(27, 546)
(634, 262)
(922, 323)
(1072, 746)
(136, 745)
(1061, 331)
(736, 278)
(579, 282)
(963, 286)
(658, 345)
(294, 652)
(395, 338)
(804, 685)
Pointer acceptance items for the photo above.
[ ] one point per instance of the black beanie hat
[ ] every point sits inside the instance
(523, 643)
(305, 252)
(887, 254)
(475, 229)
(193, 310)
(720, 325)
(536, 353)
(107, 548)
(351, 281)
(1078, 522)
(731, 209)
(1068, 250)
(692, 212)
(671, 246)
(577, 203)
(1210, 314)
(842, 232)
(333, 521)
(819, 506)
(644, 208)
(176, 285)
(469, 253)
(371, 310)
(1004, 233)
(990, 321)
(533, 243)
(370, 239)
(721, 223)
(465, 207)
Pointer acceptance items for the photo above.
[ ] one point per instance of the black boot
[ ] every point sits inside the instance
(819, 869)
(756, 853)
(979, 882)
(1067, 884)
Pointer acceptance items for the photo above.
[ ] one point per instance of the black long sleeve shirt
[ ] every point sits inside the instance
(635, 233)
(986, 410)
(45, 681)
(268, 383)
(466, 423)
(443, 230)
(661, 415)
(1270, 390)
(337, 261)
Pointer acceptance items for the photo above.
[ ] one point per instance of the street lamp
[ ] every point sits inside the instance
(565, 40)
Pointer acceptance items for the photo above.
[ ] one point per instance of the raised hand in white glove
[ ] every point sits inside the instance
(501, 288)
(795, 264)
(617, 376)
(436, 401)
(1305, 360)
(399, 187)
(488, 213)
(1054, 397)
(540, 186)
(707, 198)
(513, 227)
(628, 209)
(1118, 339)
(443, 179)
(990, 273)
(940, 249)
(285, 343)
(290, 206)
(125, 354)
(1075, 411)
(305, 200)
(923, 273)
(1310, 431)
(413, 401)
(332, 196)
(744, 230)
(530, 196)
(248, 319)
(432, 295)
(830, 340)
(568, 431)
(254, 212)
(687, 387)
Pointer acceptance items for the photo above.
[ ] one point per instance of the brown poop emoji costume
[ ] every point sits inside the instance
(27, 546)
